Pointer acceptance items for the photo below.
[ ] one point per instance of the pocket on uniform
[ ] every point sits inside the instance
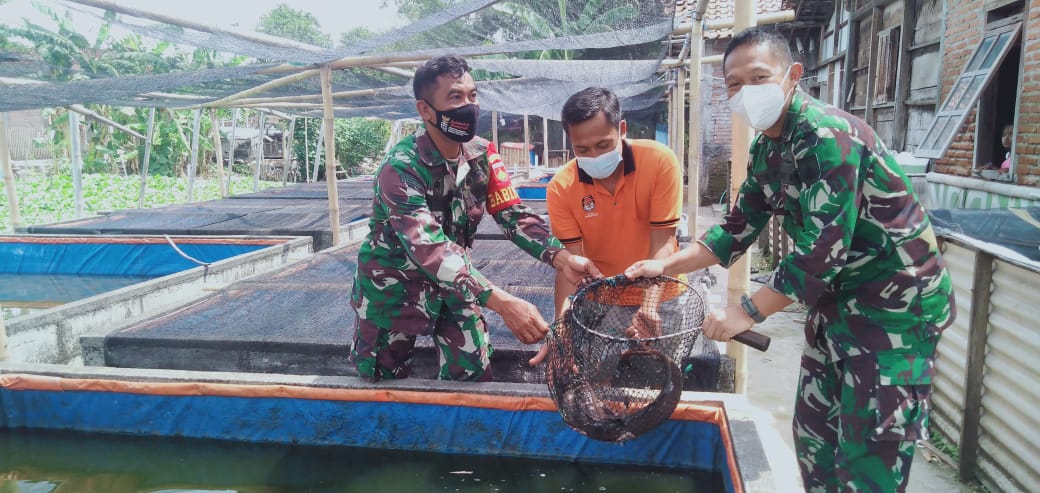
(904, 387)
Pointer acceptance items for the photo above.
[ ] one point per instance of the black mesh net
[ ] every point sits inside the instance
(614, 362)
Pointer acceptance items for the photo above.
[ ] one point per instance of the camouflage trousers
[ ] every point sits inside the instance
(856, 421)
(459, 334)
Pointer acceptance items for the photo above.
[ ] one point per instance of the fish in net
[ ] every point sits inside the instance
(613, 358)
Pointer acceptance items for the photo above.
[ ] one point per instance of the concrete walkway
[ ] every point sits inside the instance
(773, 377)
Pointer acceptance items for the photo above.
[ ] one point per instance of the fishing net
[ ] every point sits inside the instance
(614, 357)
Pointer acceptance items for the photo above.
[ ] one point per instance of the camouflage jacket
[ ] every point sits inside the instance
(865, 259)
(422, 225)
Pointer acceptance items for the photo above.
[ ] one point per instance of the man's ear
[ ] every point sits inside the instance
(797, 70)
(422, 107)
(623, 128)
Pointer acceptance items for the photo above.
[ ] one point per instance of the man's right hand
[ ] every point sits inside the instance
(522, 317)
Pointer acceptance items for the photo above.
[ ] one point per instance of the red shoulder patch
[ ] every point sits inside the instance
(501, 193)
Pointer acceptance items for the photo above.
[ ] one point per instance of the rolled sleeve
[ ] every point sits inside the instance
(666, 202)
(561, 219)
(750, 213)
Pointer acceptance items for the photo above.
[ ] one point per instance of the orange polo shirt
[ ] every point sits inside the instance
(614, 229)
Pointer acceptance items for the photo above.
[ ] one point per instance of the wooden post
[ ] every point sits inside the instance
(147, 157)
(494, 130)
(875, 22)
(330, 152)
(260, 120)
(545, 142)
(287, 150)
(77, 163)
(9, 185)
(906, 38)
(975, 366)
(671, 119)
(218, 149)
(527, 143)
(739, 272)
(231, 152)
(194, 158)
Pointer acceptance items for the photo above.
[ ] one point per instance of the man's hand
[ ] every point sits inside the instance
(723, 324)
(575, 268)
(522, 318)
(645, 268)
(645, 323)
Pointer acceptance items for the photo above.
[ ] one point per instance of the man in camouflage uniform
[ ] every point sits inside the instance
(414, 275)
(865, 261)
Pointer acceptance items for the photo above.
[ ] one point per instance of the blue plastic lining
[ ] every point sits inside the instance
(114, 259)
(684, 445)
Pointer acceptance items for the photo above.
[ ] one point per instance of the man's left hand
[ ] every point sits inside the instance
(722, 324)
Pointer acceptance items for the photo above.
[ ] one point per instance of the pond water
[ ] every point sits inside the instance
(22, 294)
(35, 461)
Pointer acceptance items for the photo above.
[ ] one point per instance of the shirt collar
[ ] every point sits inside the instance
(795, 115)
(626, 157)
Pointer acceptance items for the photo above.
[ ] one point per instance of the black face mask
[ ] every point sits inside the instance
(459, 124)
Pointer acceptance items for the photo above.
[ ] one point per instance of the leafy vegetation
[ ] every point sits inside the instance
(49, 198)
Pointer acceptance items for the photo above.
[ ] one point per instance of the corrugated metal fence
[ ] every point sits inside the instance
(987, 388)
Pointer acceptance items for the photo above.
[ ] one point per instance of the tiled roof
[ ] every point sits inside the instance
(721, 10)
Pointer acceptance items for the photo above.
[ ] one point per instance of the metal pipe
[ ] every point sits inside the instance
(147, 157)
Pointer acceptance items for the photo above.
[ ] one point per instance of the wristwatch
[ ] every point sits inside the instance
(751, 309)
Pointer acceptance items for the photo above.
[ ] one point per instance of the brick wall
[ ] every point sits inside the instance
(1027, 146)
(718, 128)
(965, 25)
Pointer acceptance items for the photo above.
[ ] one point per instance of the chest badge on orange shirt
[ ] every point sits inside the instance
(589, 204)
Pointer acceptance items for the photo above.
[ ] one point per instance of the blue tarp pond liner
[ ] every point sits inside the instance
(446, 418)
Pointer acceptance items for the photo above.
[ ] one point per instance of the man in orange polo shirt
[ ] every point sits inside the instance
(620, 200)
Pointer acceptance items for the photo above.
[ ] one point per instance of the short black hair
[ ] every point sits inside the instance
(586, 103)
(753, 36)
(427, 73)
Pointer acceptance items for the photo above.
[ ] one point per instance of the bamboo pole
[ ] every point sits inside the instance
(3, 337)
(494, 130)
(231, 152)
(75, 153)
(318, 97)
(739, 273)
(306, 152)
(527, 143)
(194, 158)
(147, 157)
(287, 150)
(693, 163)
(259, 151)
(330, 153)
(545, 143)
(680, 120)
(318, 147)
(15, 216)
(218, 149)
(267, 86)
(87, 112)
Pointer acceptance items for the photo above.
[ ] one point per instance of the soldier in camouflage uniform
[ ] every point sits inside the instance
(865, 261)
(414, 275)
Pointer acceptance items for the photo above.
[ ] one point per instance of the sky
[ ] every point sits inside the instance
(334, 16)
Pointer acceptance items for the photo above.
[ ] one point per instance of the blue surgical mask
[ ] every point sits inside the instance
(601, 166)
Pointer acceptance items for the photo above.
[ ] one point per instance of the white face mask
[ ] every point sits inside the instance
(760, 105)
(601, 166)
